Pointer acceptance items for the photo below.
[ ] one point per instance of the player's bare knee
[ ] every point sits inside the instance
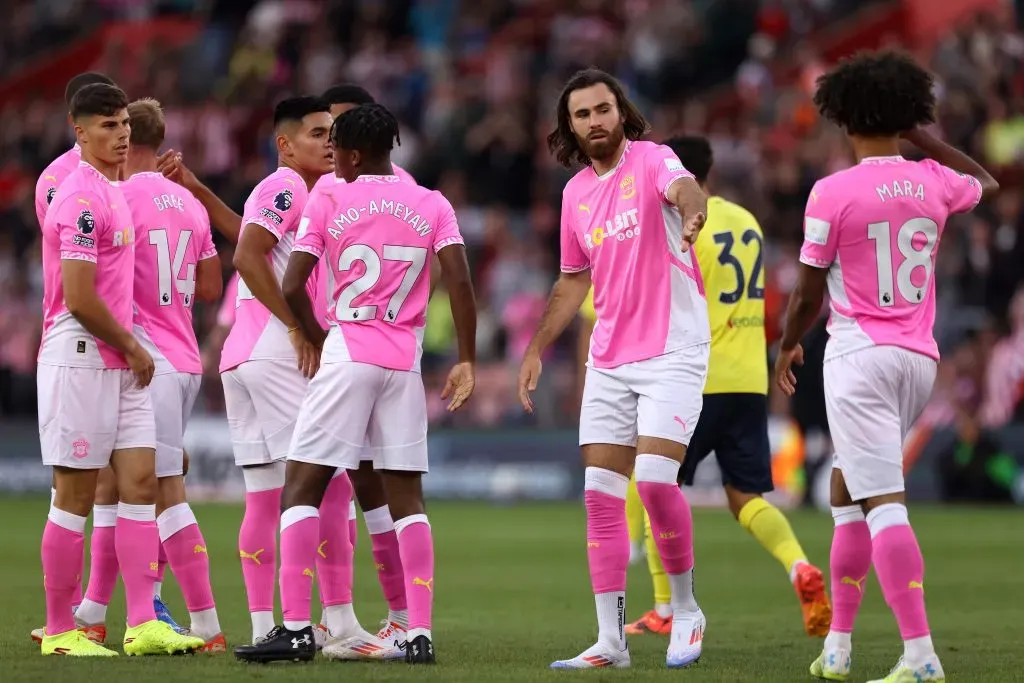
(76, 490)
(738, 499)
(136, 475)
(106, 487)
(869, 504)
(840, 495)
(652, 445)
(368, 487)
(404, 491)
(606, 456)
(305, 484)
(171, 492)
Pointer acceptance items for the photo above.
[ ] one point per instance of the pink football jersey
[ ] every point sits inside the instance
(173, 233)
(52, 177)
(374, 238)
(876, 227)
(329, 180)
(88, 220)
(274, 205)
(648, 293)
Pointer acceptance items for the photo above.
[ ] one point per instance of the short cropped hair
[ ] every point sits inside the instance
(877, 94)
(80, 81)
(146, 117)
(98, 99)
(296, 108)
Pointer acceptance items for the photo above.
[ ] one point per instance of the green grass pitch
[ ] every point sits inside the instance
(513, 594)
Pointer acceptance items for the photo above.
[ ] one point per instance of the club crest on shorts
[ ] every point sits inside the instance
(283, 200)
(86, 222)
(80, 448)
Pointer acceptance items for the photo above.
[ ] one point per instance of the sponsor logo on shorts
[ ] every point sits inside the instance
(80, 448)
(272, 215)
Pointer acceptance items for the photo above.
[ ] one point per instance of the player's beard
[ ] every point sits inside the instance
(603, 149)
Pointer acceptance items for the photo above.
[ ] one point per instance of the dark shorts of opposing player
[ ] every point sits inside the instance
(735, 428)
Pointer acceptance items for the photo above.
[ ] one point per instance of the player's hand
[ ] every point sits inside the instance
(784, 363)
(459, 386)
(172, 167)
(691, 228)
(529, 374)
(141, 364)
(307, 354)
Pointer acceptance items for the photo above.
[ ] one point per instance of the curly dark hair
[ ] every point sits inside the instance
(562, 141)
(370, 128)
(877, 94)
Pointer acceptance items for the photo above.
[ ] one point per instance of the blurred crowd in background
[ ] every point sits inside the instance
(474, 85)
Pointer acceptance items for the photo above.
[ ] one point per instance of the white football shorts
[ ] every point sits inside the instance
(87, 413)
(659, 397)
(873, 396)
(262, 398)
(174, 394)
(353, 405)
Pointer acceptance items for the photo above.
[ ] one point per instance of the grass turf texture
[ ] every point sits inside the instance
(513, 595)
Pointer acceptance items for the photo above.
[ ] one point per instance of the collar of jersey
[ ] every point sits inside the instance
(377, 179)
(883, 160)
(95, 171)
(622, 160)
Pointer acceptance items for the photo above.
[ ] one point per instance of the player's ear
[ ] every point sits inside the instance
(356, 157)
(284, 145)
(80, 135)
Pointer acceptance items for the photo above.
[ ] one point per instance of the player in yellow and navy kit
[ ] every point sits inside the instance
(734, 420)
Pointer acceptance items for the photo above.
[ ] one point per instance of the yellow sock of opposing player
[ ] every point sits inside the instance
(634, 514)
(662, 588)
(769, 526)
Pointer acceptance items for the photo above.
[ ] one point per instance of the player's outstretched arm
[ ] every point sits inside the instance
(804, 305)
(300, 266)
(686, 195)
(79, 282)
(226, 221)
(954, 159)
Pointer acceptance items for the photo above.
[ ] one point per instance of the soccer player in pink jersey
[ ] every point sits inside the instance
(175, 263)
(629, 218)
(46, 187)
(375, 234)
(882, 220)
(267, 359)
(94, 405)
(367, 484)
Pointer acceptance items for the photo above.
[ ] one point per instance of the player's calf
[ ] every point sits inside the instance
(416, 551)
(672, 527)
(257, 542)
(334, 558)
(187, 554)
